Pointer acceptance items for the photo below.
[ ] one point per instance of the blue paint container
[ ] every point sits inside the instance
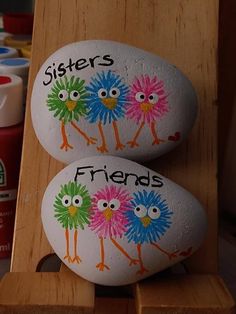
(8, 52)
(17, 66)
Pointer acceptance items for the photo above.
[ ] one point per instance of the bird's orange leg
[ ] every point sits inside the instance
(132, 260)
(90, 140)
(101, 266)
(142, 268)
(76, 258)
(67, 256)
(170, 255)
(154, 133)
(103, 147)
(133, 142)
(119, 145)
(65, 145)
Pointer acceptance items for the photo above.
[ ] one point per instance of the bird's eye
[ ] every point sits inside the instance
(66, 200)
(114, 204)
(74, 95)
(63, 95)
(140, 96)
(102, 205)
(77, 200)
(140, 211)
(102, 93)
(153, 98)
(154, 212)
(114, 92)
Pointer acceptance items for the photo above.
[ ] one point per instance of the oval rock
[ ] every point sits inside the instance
(114, 222)
(103, 97)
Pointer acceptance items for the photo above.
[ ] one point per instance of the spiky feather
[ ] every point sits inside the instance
(146, 85)
(59, 107)
(116, 226)
(82, 216)
(97, 111)
(136, 232)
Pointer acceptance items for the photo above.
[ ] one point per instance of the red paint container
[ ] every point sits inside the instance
(11, 132)
(18, 23)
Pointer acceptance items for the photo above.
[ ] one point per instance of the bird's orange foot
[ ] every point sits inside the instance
(133, 262)
(66, 146)
(157, 141)
(91, 141)
(101, 266)
(68, 257)
(142, 271)
(102, 149)
(173, 255)
(76, 259)
(133, 144)
(120, 146)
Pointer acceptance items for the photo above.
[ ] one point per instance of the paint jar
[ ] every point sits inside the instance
(11, 132)
(18, 23)
(18, 41)
(26, 51)
(8, 52)
(17, 66)
(3, 36)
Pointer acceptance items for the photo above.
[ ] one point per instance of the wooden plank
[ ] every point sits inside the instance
(182, 31)
(184, 294)
(59, 293)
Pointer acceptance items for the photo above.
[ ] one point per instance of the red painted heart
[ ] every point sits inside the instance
(186, 253)
(175, 137)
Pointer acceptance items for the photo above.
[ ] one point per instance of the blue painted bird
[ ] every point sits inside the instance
(148, 221)
(106, 104)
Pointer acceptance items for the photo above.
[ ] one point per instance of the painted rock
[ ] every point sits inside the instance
(115, 222)
(102, 97)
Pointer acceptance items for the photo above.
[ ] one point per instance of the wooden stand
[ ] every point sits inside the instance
(185, 33)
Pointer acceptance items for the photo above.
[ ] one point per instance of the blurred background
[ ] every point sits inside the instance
(16, 6)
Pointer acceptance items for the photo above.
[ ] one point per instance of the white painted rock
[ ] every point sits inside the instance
(115, 222)
(102, 97)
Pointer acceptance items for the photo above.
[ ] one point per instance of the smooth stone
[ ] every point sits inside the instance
(102, 97)
(114, 222)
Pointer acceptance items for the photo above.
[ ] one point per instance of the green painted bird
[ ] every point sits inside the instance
(67, 100)
(72, 210)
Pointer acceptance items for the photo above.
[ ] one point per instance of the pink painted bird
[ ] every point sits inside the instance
(147, 102)
(108, 219)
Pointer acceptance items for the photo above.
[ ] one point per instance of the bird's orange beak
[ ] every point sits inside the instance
(146, 221)
(108, 213)
(72, 210)
(110, 103)
(145, 106)
(70, 104)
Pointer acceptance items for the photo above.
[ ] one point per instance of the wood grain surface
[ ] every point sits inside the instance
(184, 32)
(184, 294)
(46, 293)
